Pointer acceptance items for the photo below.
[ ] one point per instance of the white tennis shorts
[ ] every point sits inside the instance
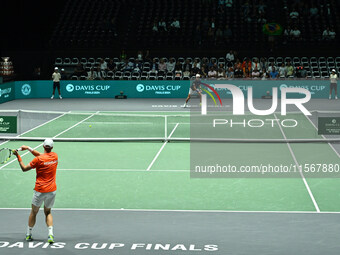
(48, 199)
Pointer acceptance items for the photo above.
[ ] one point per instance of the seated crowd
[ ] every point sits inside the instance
(229, 67)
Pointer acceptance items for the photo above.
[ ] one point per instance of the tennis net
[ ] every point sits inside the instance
(159, 126)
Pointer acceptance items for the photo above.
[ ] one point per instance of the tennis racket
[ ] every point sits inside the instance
(6, 154)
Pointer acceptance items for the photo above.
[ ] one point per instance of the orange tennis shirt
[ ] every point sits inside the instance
(46, 169)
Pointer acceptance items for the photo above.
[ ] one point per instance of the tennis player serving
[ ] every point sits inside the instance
(194, 88)
(45, 186)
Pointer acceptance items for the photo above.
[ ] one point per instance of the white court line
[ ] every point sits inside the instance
(298, 166)
(181, 211)
(337, 153)
(160, 150)
(52, 137)
(120, 123)
(36, 127)
(108, 170)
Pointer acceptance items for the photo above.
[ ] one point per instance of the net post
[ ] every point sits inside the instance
(165, 127)
(19, 122)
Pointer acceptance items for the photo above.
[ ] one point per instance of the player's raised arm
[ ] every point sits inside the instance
(22, 165)
(34, 152)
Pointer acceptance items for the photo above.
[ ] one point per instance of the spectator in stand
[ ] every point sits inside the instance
(262, 20)
(162, 65)
(227, 34)
(256, 73)
(213, 24)
(195, 70)
(79, 70)
(175, 25)
(295, 34)
(130, 65)
(197, 63)
(256, 65)
(154, 65)
(178, 66)
(273, 74)
(203, 72)
(221, 2)
(221, 72)
(123, 65)
(246, 67)
(238, 69)
(230, 57)
(332, 34)
(170, 66)
(262, 7)
(213, 64)
(286, 34)
(140, 55)
(290, 69)
(230, 72)
(162, 26)
(205, 64)
(111, 66)
(212, 74)
(282, 71)
(263, 65)
(155, 27)
(91, 75)
(228, 3)
(328, 34)
(103, 65)
(187, 67)
(314, 11)
(100, 75)
(138, 66)
(271, 67)
(294, 15)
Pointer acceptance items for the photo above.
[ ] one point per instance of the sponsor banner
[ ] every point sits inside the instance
(154, 89)
(8, 124)
(132, 89)
(6, 92)
(329, 125)
(318, 88)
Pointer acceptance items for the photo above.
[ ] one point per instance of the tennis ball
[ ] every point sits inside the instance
(90, 125)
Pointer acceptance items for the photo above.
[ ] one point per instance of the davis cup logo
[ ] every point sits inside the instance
(69, 87)
(283, 86)
(26, 89)
(140, 87)
(333, 121)
(1, 119)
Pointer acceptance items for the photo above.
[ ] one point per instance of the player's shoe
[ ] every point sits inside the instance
(60, 97)
(52, 96)
(184, 106)
(336, 97)
(29, 238)
(50, 239)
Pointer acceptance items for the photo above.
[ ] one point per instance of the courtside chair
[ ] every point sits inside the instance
(75, 61)
(58, 61)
